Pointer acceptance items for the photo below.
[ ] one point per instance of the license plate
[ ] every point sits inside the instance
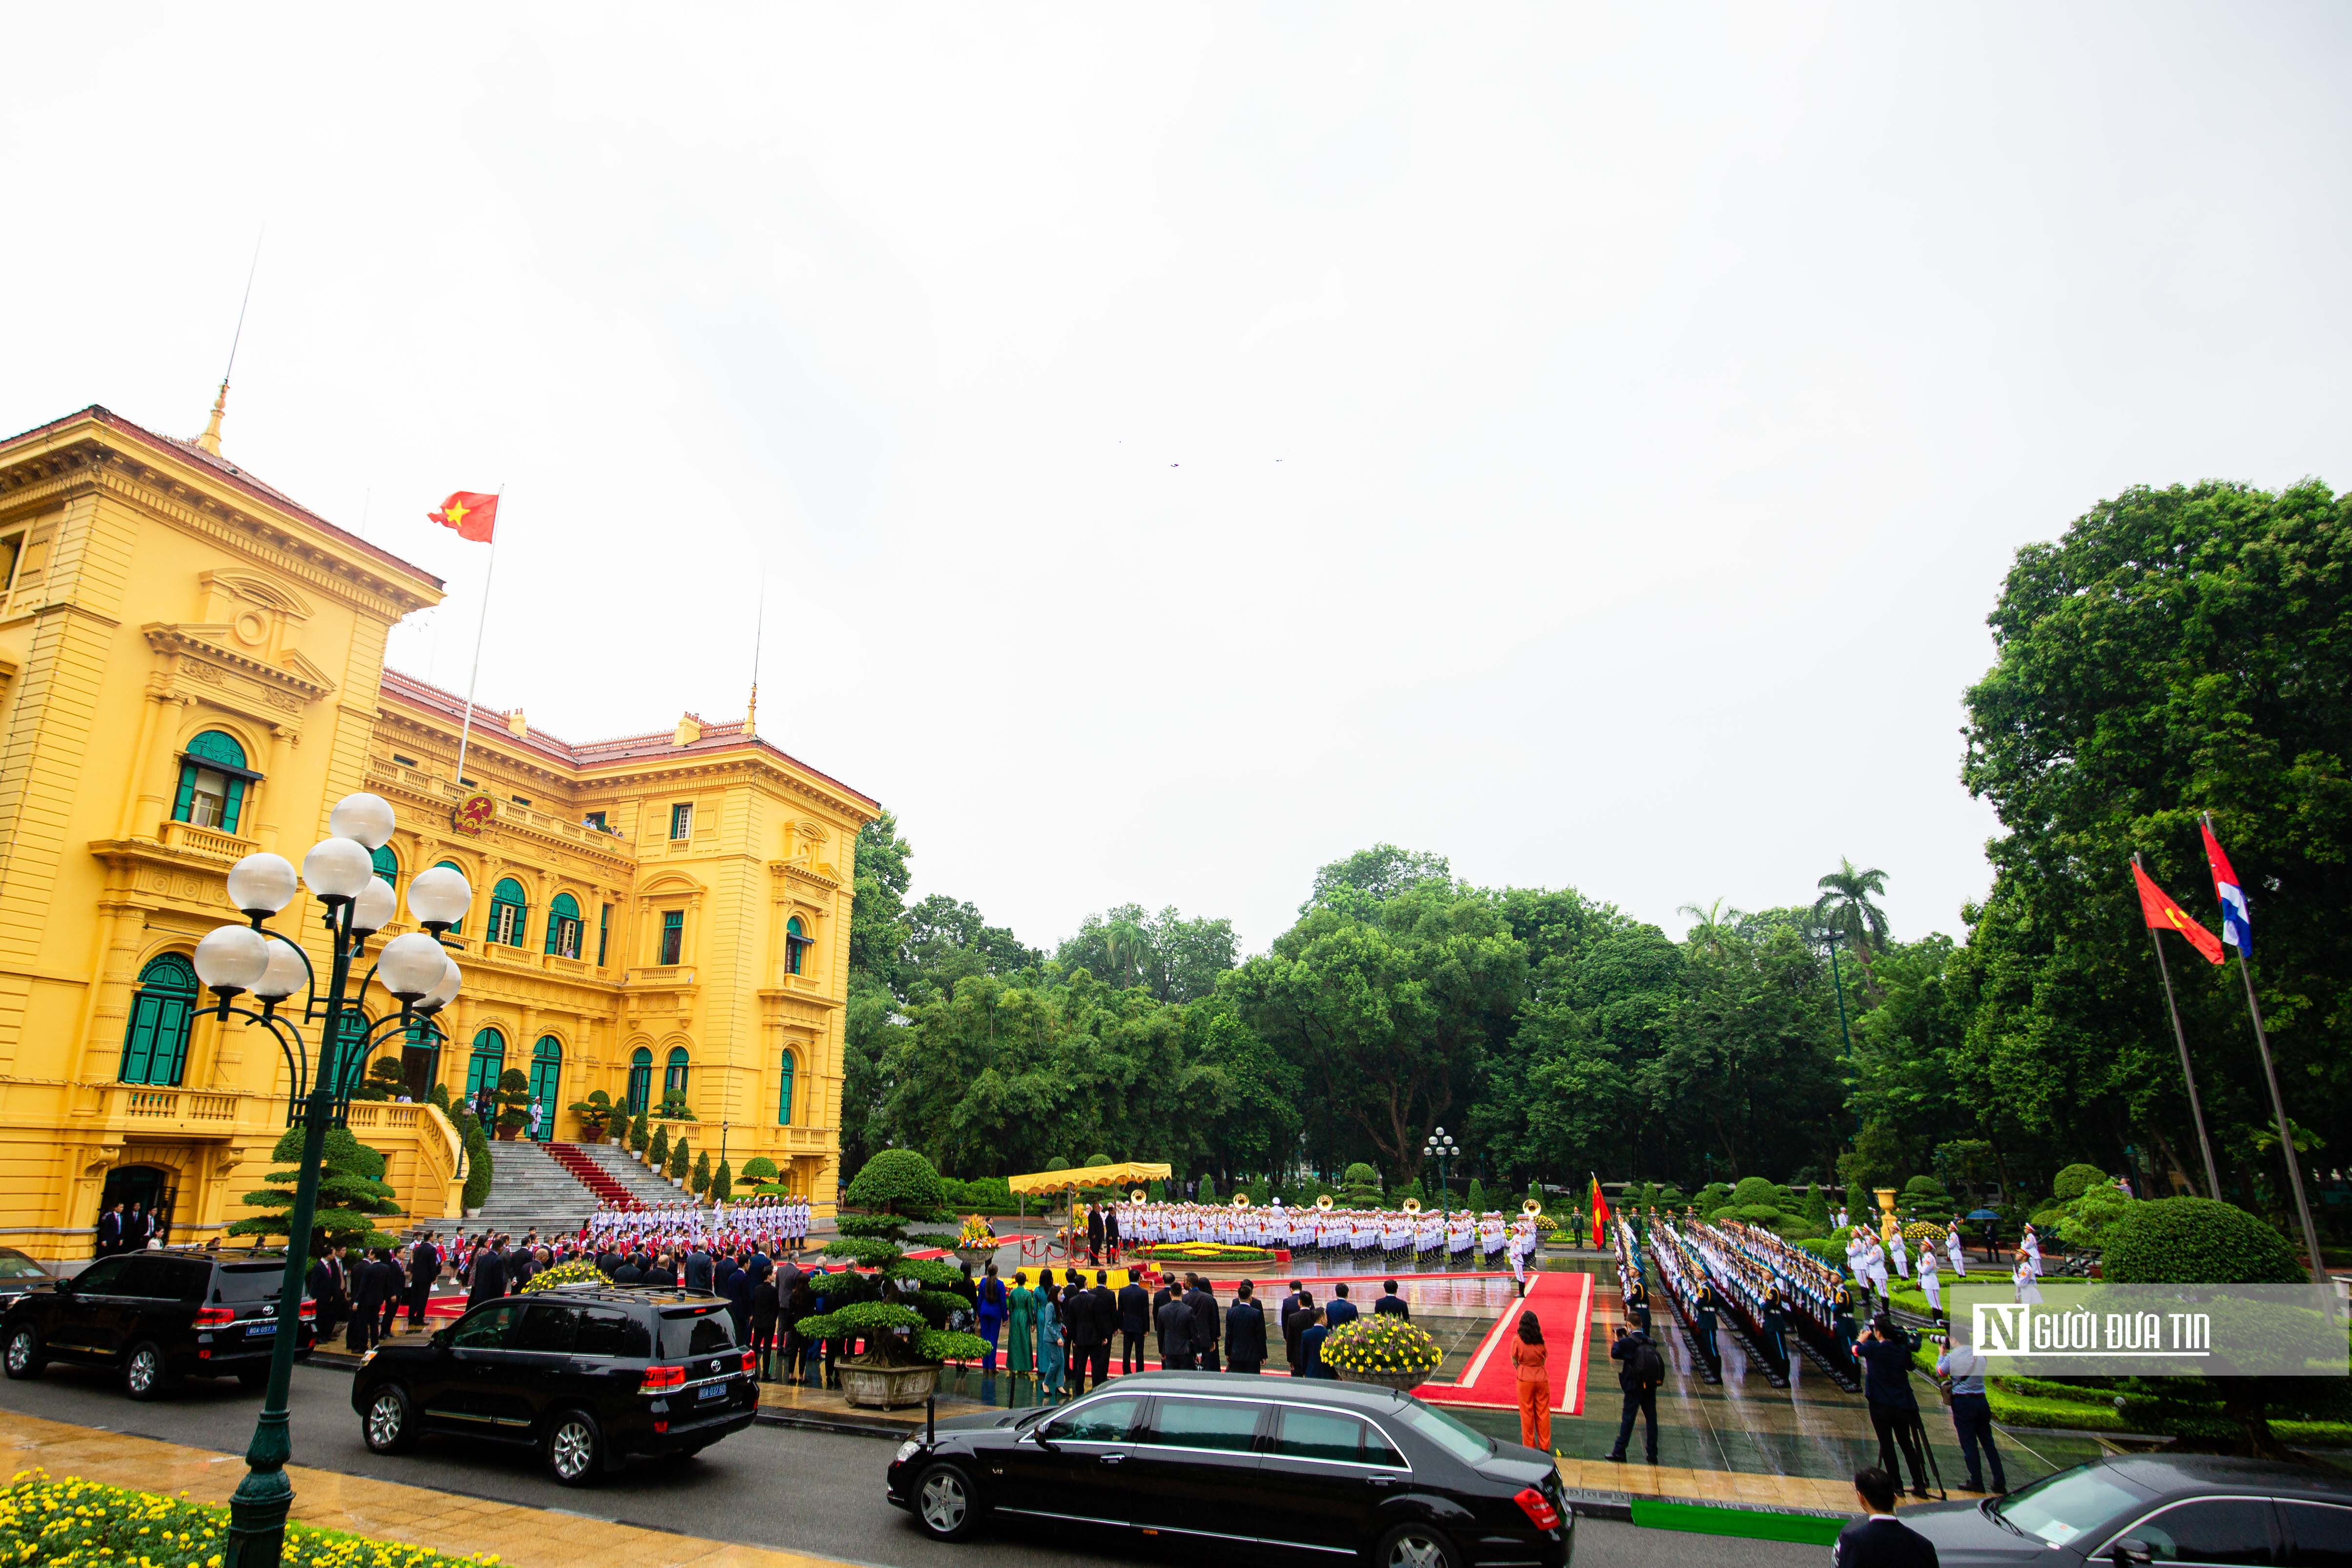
(261, 1328)
(713, 1391)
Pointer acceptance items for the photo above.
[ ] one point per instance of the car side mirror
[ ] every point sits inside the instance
(65, 1287)
(440, 1339)
(2131, 1552)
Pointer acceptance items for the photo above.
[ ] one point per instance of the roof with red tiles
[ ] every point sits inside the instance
(227, 470)
(491, 722)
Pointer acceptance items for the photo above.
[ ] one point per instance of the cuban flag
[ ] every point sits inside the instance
(2237, 929)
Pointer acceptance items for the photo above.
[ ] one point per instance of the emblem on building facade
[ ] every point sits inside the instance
(473, 813)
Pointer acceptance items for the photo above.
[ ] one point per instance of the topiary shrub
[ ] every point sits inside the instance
(702, 1183)
(2074, 1181)
(351, 1193)
(1476, 1202)
(1208, 1193)
(1097, 1160)
(1058, 1163)
(514, 1102)
(679, 1160)
(2168, 1241)
(898, 1181)
(722, 1183)
(1753, 1190)
(657, 1157)
(437, 1097)
(479, 1165)
(639, 1138)
(1359, 1187)
(759, 1168)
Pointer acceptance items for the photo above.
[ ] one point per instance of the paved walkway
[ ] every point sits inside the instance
(383, 1510)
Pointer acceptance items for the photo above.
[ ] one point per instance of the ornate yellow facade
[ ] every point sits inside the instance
(192, 669)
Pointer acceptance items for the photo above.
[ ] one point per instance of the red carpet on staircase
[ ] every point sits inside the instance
(592, 1175)
(1562, 1303)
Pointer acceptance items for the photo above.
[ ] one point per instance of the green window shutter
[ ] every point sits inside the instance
(784, 1094)
(555, 921)
(183, 802)
(216, 747)
(603, 930)
(387, 864)
(156, 1045)
(232, 805)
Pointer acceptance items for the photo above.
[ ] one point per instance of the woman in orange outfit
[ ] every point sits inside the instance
(1530, 1358)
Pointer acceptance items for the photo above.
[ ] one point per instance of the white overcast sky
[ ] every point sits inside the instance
(1182, 446)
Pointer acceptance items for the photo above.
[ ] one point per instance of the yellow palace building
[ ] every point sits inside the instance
(191, 669)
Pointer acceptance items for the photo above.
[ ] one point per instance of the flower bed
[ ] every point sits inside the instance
(1379, 1346)
(1204, 1252)
(72, 1520)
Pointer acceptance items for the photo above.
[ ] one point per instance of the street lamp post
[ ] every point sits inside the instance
(1443, 1150)
(237, 960)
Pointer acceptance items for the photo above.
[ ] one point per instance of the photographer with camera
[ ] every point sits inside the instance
(1644, 1368)
(1884, 1351)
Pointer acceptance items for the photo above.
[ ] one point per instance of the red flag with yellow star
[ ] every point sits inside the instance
(2161, 913)
(470, 513)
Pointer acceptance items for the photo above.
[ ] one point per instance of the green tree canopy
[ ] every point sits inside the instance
(353, 1192)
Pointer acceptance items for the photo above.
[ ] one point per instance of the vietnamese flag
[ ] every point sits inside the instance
(1599, 1216)
(470, 513)
(2163, 914)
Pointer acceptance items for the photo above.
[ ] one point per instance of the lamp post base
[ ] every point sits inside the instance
(256, 1520)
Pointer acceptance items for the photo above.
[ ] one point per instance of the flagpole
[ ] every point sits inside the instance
(2180, 1039)
(465, 730)
(2287, 1135)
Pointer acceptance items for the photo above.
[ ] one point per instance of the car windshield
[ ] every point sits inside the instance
(248, 1281)
(2071, 1504)
(1461, 1441)
(16, 1266)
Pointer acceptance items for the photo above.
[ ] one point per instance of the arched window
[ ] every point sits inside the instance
(490, 1061)
(387, 864)
(213, 780)
(674, 1073)
(546, 1084)
(156, 1046)
(640, 1080)
(460, 928)
(784, 1094)
(507, 913)
(564, 926)
(796, 944)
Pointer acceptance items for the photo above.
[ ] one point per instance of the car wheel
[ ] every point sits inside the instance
(1416, 1545)
(388, 1428)
(575, 1449)
(23, 1357)
(947, 1505)
(143, 1372)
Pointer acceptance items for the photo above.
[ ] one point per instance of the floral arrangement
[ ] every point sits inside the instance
(75, 1522)
(1923, 1230)
(1545, 1225)
(1205, 1252)
(578, 1271)
(1379, 1342)
(976, 1232)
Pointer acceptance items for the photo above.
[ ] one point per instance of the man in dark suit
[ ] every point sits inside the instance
(1391, 1304)
(521, 1267)
(1244, 1331)
(700, 1270)
(609, 1261)
(1880, 1540)
(1297, 1308)
(1638, 1378)
(424, 1267)
(1083, 1329)
(1204, 1324)
(325, 1285)
(1110, 1232)
(396, 1291)
(630, 1271)
(1134, 1323)
(372, 1285)
(1105, 1301)
(111, 1227)
(1175, 1335)
(1339, 1309)
(1159, 1298)
(1094, 1233)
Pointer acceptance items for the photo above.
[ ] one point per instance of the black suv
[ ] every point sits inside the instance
(1269, 1466)
(586, 1377)
(160, 1315)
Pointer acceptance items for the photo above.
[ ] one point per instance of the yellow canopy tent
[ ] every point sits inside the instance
(1122, 1174)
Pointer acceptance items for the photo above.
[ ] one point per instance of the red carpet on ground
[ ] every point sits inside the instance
(1562, 1303)
(593, 1176)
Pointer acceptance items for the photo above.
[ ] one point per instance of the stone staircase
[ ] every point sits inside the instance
(528, 1189)
(623, 1168)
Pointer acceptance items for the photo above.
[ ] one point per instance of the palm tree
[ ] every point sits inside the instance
(1848, 916)
(1709, 923)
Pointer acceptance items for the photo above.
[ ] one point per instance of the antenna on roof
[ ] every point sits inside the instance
(759, 625)
(210, 440)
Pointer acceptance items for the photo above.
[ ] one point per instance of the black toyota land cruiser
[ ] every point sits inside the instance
(160, 1315)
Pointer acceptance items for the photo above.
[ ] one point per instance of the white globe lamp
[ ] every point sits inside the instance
(364, 816)
(440, 897)
(441, 996)
(285, 973)
(411, 965)
(374, 908)
(232, 959)
(338, 870)
(261, 885)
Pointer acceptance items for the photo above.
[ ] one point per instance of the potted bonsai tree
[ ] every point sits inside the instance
(514, 1103)
(595, 1113)
(900, 1311)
